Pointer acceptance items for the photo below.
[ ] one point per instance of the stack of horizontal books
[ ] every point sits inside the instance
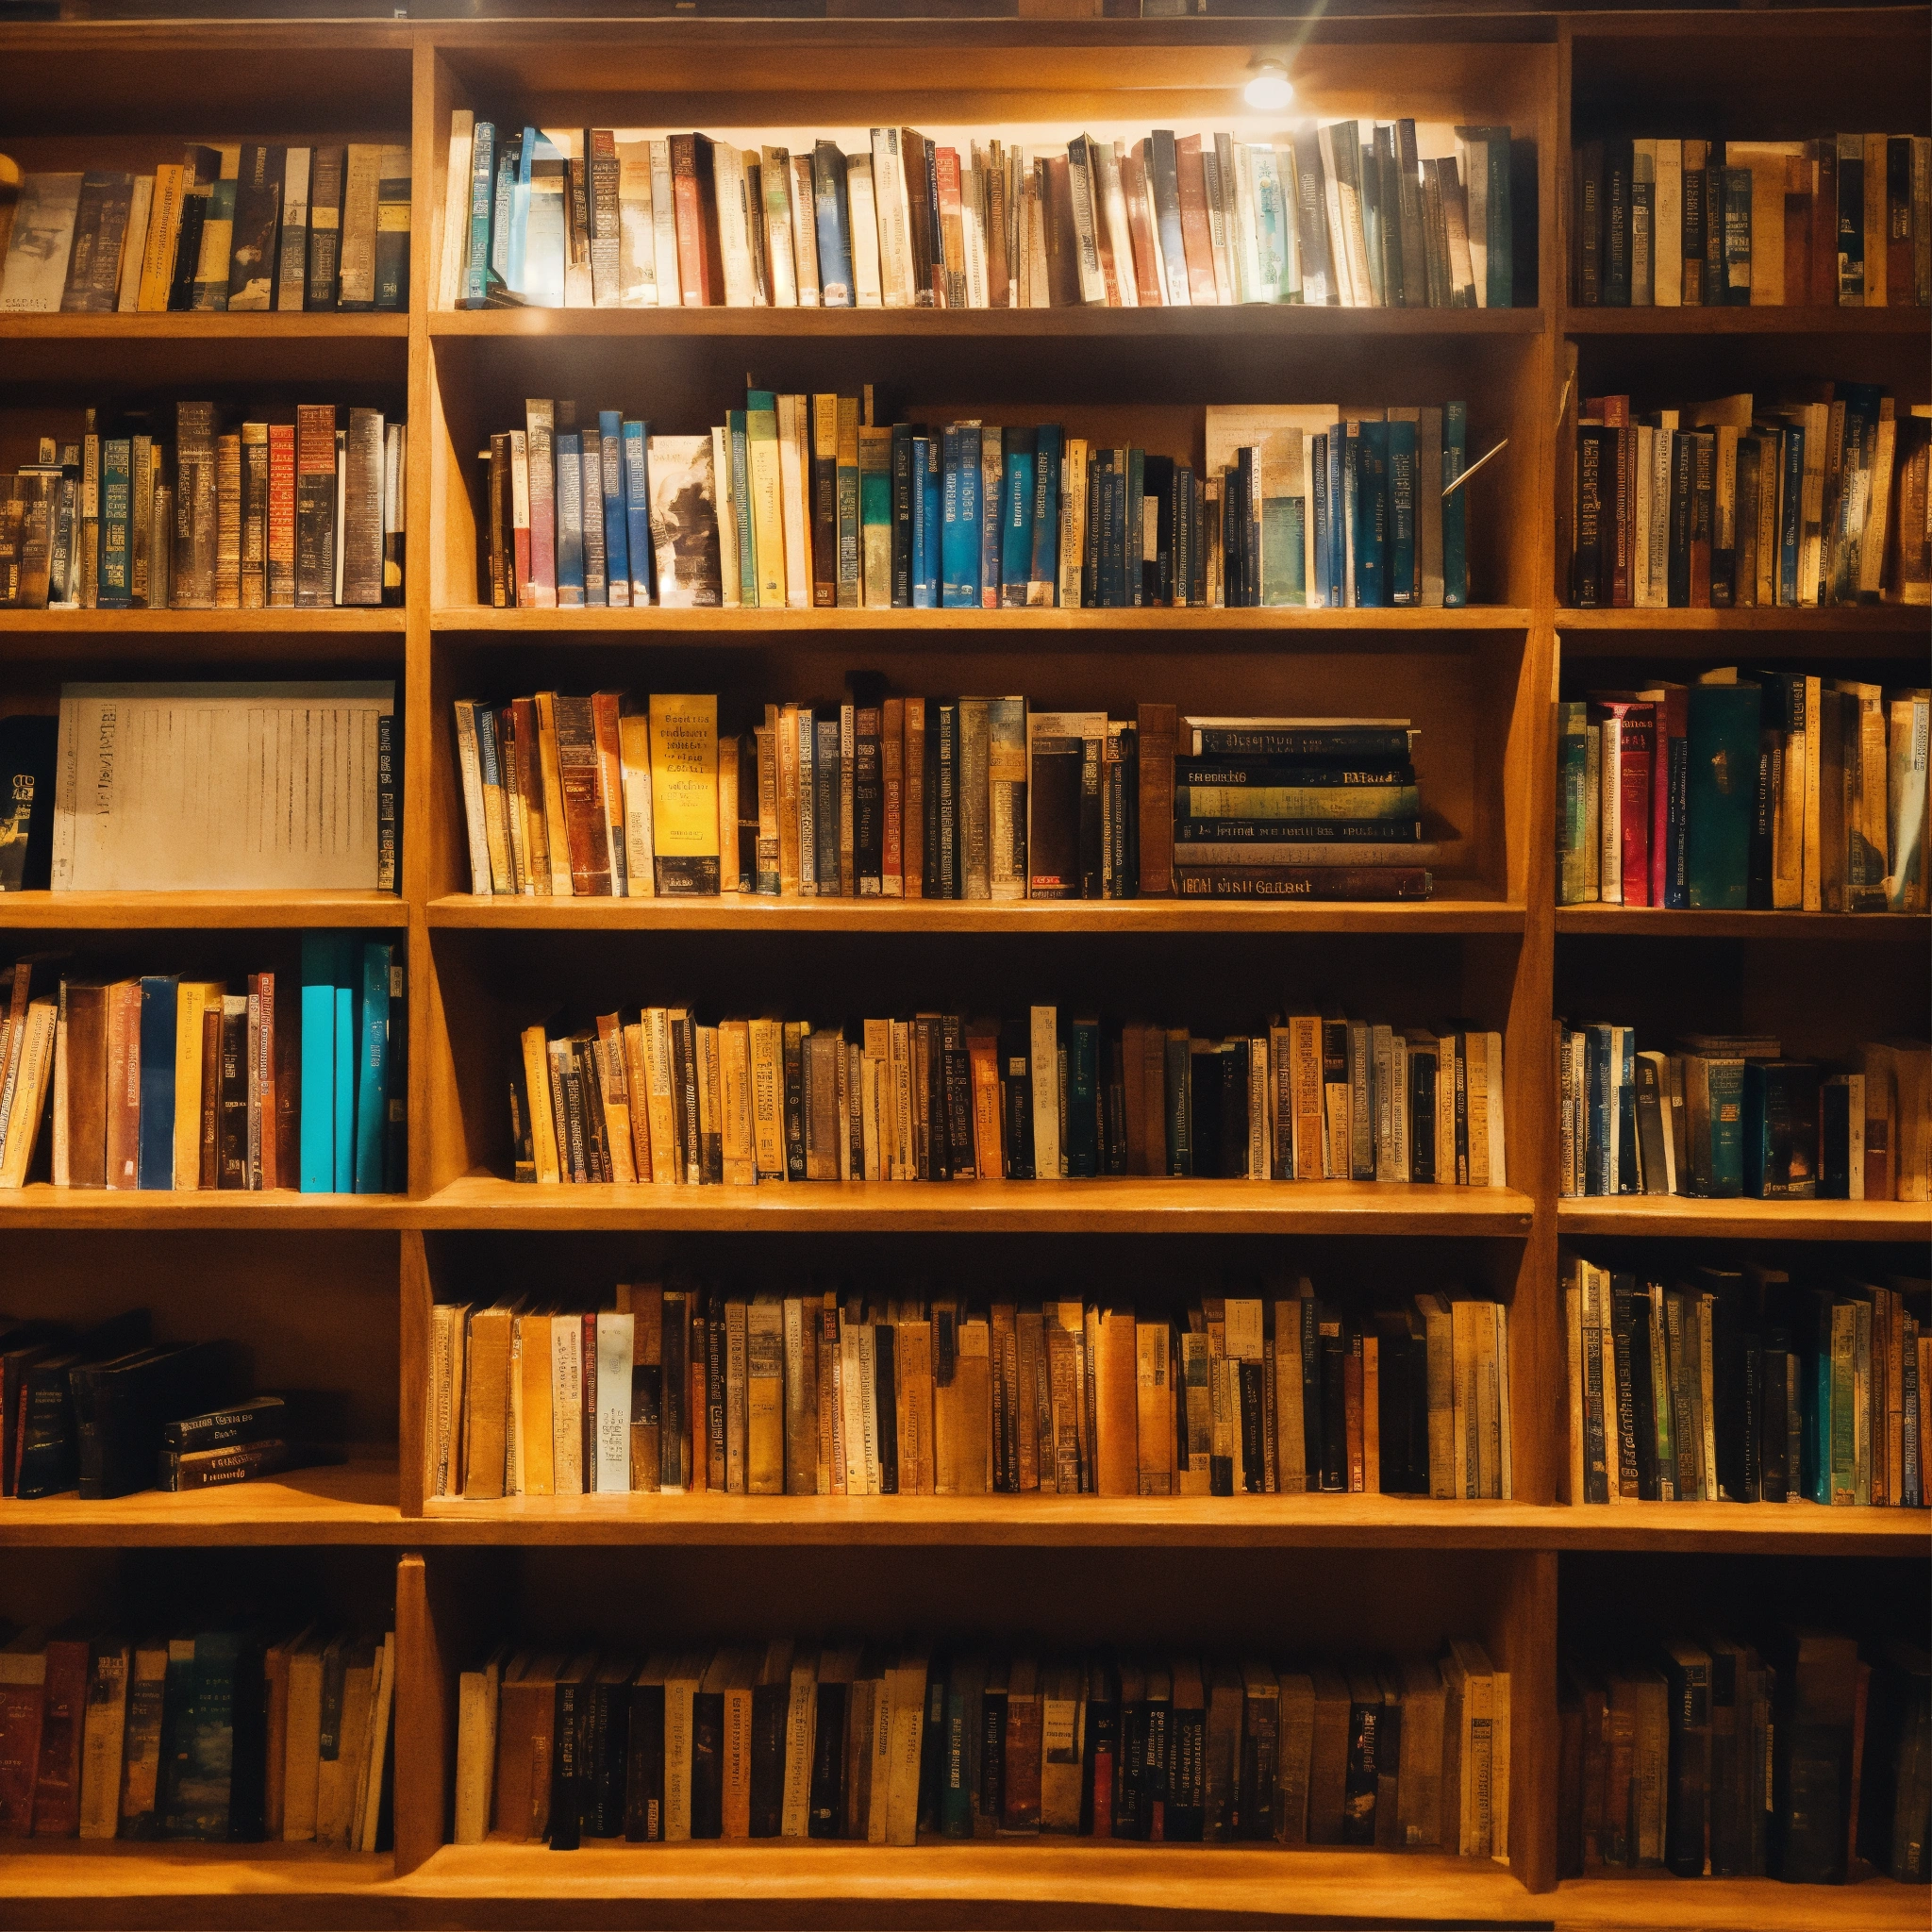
(1298, 808)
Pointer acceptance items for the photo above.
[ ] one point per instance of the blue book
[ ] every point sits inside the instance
(1454, 507)
(318, 1159)
(1791, 525)
(922, 583)
(958, 534)
(342, 1087)
(155, 1160)
(371, 1069)
(933, 489)
(1627, 1182)
(1016, 521)
(1047, 442)
(570, 520)
(1402, 586)
(637, 510)
(832, 218)
(116, 592)
(482, 205)
(1371, 517)
(616, 527)
(1340, 478)
(519, 212)
(1318, 509)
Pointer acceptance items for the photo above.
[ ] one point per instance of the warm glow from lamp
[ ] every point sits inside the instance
(1268, 89)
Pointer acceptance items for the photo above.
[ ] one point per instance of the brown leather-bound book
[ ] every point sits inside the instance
(1197, 240)
(87, 1084)
(1020, 1795)
(1800, 174)
(525, 1730)
(1328, 1757)
(962, 1408)
(1159, 726)
(1295, 1744)
(288, 1128)
(1154, 1096)
(982, 1053)
(486, 1403)
(210, 1139)
(1116, 1419)
(912, 1390)
(1154, 1410)
(1029, 1350)
(124, 1083)
(1062, 243)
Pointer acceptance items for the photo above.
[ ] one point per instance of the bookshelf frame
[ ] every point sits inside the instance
(1493, 937)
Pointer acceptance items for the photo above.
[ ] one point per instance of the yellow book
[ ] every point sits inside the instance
(536, 1428)
(192, 999)
(163, 232)
(764, 1401)
(536, 1086)
(684, 794)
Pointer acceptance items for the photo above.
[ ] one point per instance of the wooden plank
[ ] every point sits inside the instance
(1652, 922)
(1678, 1215)
(201, 912)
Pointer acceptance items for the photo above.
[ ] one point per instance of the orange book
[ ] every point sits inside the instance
(983, 1059)
(1116, 1404)
(694, 271)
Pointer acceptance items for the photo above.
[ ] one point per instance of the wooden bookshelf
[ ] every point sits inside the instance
(347, 1282)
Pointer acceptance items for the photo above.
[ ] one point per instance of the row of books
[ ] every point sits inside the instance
(685, 1389)
(165, 1083)
(801, 502)
(1846, 219)
(1728, 1115)
(666, 1098)
(1832, 821)
(1356, 213)
(882, 1743)
(235, 227)
(224, 1735)
(1819, 499)
(1797, 1753)
(283, 514)
(1742, 1385)
(878, 796)
(106, 1411)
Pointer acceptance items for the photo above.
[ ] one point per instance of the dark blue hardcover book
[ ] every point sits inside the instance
(1627, 1182)
(933, 490)
(637, 510)
(903, 492)
(616, 520)
(1319, 508)
(1781, 1150)
(117, 494)
(570, 519)
(156, 1161)
(833, 219)
(958, 536)
(1083, 1099)
(1341, 480)
(1016, 521)
(1134, 528)
(1371, 517)
(1737, 236)
(922, 583)
(372, 1071)
(1402, 586)
(1454, 507)
(1043, 587)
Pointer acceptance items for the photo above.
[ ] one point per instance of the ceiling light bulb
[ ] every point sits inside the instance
(1267, 88)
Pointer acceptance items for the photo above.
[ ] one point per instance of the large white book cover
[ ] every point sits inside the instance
(216, 787)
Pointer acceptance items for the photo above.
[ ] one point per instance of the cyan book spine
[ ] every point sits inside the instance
(343, 1106)
(156, 1168)
(318, 1156)
(1016, 543)
(115, 592)
(1371, 517)
(482, 201)
(372, 1084)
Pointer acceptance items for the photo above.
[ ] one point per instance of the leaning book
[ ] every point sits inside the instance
(219, 787)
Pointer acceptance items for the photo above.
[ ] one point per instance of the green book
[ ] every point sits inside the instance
(1574, 833)
(737, 453)
(875, 515)
(1720, 792)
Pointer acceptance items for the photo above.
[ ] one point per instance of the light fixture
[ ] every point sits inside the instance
(1269, 88)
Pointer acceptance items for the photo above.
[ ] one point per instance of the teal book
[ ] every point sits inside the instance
(737, 453)
(156, 1168)
(482, 204)
(1454, 507)
(1714, 1105)
(215, 1793)
(1404, 588)
(318, 1159)
(1574, 833)
(117, 489)
(1016, 521)
(342, 1084)
(1371, 516)
(372, 1071)
(1720, 782)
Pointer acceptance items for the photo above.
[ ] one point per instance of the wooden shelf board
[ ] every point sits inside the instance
(371, 620)
(1854, 620)
(200, 328)
(41, 1205)
(1660, 1903)
(1655, 923)
(1732, 1528)
(150, 912)
(1746, 1220)
(483, 620)
(1253, 321)
(1114, 1205)
(747, 912)
(1806, 319)
(54, 1882)
(354, 1503)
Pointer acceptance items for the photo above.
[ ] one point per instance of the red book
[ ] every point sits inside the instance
(1616, 415)
(1639, 739)
(1140, 227)
(22, 1697)
(57, 1789)
(893, 758)
(1672, 727)
(693, 278)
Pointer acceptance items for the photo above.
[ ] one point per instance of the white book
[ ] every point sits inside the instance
(292, 287)
(367, 1824)
(218, 787)
(453, 247)
(805, 233)
(664, 224)
(781, 251)
(895, 218)
(35, 274)
(1667, 227)
(973, 236)
(615, 1338)
(134, 244)
(1245, 242)
(637, 249)
(794, 490)
(1339, 262)
(732, 189)
(1112, 208)
(567, 1406)
(1043, 1057)
(866, 291)
(1474, 156)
